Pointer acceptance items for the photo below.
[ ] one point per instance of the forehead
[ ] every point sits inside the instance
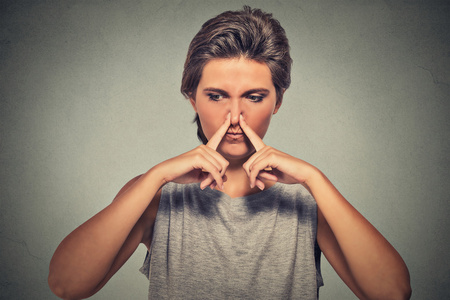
(236, 74)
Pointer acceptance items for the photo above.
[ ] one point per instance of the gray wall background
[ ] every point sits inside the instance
(90, 98)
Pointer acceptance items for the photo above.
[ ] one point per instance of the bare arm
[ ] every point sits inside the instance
(361, 256)
(88, 257)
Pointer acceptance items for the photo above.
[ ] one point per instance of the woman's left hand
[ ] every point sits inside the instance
(357, 251)
(271, 164)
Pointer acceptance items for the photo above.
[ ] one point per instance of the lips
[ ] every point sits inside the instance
(235, 135)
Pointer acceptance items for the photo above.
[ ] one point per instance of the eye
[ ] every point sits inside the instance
(255, 98)
(215, 97)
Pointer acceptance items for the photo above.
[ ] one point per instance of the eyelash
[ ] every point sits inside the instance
(213, 97)
(252, 98)
(258, 98)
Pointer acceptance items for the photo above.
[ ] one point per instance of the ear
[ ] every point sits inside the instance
(194, 106)
(278, 104)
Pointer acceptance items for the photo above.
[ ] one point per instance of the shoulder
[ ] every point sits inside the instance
(293, 189)
(181, 190)
(296, 193)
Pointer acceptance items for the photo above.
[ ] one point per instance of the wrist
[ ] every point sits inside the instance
(314, 176)
(155, 175)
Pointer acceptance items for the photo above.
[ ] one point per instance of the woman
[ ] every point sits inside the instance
(232, 218)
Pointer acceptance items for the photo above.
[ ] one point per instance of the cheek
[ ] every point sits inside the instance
(259, 123)
(210, 122)
(258, 116)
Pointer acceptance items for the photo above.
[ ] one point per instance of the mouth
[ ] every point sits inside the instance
(235, 134)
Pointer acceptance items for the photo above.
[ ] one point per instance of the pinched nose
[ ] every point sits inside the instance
(235, 111)
(235, 119)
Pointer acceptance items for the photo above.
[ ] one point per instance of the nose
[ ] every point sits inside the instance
(235, 110)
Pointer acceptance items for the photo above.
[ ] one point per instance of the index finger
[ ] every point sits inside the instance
(254, 138)
(215, 140)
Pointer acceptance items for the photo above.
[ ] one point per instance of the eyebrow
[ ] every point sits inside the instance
(218, 91)
(246, 93)
(256, 91)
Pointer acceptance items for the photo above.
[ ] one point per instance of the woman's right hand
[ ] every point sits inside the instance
(88, 257)
(202, 164)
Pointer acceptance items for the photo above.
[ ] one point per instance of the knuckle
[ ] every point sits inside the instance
(198, 156)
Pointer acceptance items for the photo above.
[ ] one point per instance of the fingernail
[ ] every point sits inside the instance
(229, 115)
(260, 186)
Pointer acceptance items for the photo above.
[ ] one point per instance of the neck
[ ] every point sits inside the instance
(238, 183)
(236, 164)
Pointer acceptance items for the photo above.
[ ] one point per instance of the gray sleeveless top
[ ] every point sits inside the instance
(207, 245)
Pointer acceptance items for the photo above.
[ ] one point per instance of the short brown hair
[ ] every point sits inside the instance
(250, 33)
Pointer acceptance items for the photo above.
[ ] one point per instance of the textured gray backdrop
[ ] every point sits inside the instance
(90, 98)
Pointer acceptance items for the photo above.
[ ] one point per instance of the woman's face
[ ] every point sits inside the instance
(236, 86)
